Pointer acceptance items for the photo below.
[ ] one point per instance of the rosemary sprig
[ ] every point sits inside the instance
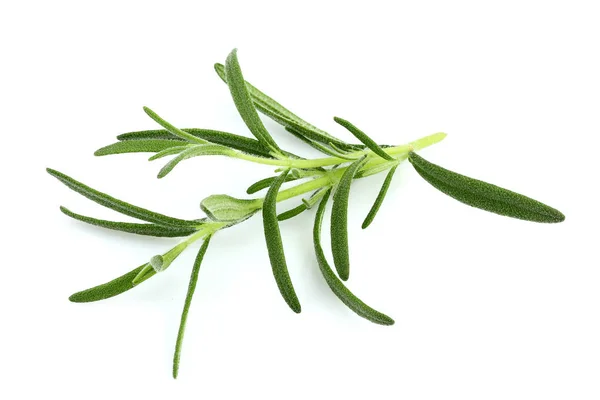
(313, 180)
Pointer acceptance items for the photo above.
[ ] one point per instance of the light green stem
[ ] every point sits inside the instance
(329, 178)
(323, 162)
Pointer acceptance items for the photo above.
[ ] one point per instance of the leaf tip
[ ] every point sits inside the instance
(76, 298)
(52, 172)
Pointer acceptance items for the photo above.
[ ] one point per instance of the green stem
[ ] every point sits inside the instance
(327, 179)
(327, 161)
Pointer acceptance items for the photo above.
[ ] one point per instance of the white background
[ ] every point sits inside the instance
(486, 307)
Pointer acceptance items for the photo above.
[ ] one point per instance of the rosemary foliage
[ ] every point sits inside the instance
(320, 179)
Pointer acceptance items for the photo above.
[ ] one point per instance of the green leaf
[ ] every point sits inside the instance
(339, 221)
(152, 134)
(172, 128)
(171, 151)
(336, 286)
(265, 183)
(224, 208)
(379, 199)
(291, 213)
(118, 205)
(237, 142)
(138, 229)
(484, 195)
(360, 135)
(195, 151)
(107, 290)
(137, 146)
(186, 305)
(243, 102)
(315, 197)
(285, 117)
(275, 245)
(316, 145)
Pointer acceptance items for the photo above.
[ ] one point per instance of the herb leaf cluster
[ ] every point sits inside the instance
(315, 181)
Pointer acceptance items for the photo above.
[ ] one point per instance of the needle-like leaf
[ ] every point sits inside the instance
(336, 286)
(379, 199)
(360, 135)
(129, 227)
(172, 128)
(237, 142)
(291, 213)
(275, 245)
(243, 102)
(329, 150)
(186, 305)
(171, 151)
(285, 117)
(118, 205)
(266, 182)
(484, 195)
(108, 289)
(137, 146)
(195, 151)
(339, 221)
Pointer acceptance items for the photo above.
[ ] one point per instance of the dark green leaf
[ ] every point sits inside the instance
(379, 199)
(275, 245)
(195, 151)
(109, 289)
(247, 145)
(484, 195)
(291, 213)
(339, 221)
(137, 146)
(152, 134)
(337, 287)
(360, 135)
(285, 117)
(118, 205)
(265, 183)
(186, 305)
(243, 102)
(138, 229)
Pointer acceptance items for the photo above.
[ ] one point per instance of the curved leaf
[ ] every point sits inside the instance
(186, 305)
(195, 151)
(339, 221)
(137, 146)
(118, 205)
(360, 135)
(336, 286)
(285, 117)
(108, 289)
(275, 245)
(243, 102)
(484, 195)
(171, 151)
(291, 213)
(129, 227)
(172, 128)
(379, 199)
(241, 143)
(265, 183)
